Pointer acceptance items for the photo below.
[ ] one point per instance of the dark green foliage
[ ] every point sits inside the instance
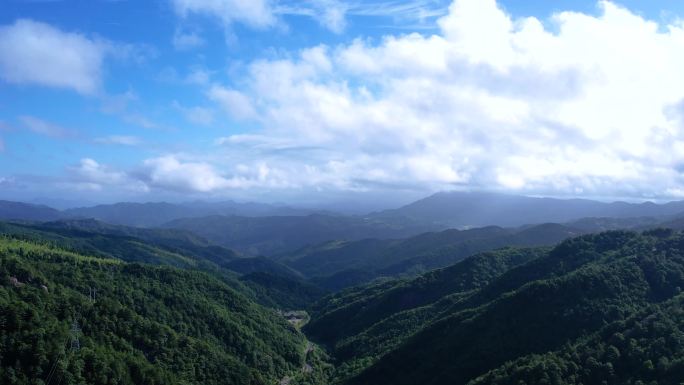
(336, 265)
(280, 234)
(156, 246)
(262, 265)
(174, 248)
(282, 292)
(357, 312)
(647, 348)
(596, 309)
(146, 325)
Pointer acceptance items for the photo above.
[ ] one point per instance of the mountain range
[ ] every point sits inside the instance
(415, 295)
(477, 209)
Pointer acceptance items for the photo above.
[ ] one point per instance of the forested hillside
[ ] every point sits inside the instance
(167, 306)
(73, 319)
(280, 234)
(339, 264)
(587, 311)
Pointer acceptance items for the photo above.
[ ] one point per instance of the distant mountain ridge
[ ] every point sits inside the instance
(149, 214)
(153, 214)
(332, 264)
(280, 234)
(27, 211)
(477, 209)
(438, 211)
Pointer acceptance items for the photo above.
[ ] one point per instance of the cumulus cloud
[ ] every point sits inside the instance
(168, 172)
(37, 53)
(589, 107)
(175, 172)
(91, 175)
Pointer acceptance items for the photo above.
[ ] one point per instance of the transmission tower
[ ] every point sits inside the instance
(74, 332)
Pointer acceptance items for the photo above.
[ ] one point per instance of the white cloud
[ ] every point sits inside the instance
(91, 175)
(488, 102)
(232, 101)
(168, 172)
(123, 140)
(37, 53)
(43, 127)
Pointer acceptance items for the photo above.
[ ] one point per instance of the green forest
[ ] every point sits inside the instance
(75, 319)
(598, 309)
(87, 303)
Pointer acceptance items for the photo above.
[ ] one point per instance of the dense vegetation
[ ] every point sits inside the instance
(595, 309)
(340, 264)
(280, 234)
(82, 301)
(280, 292)
(155, 246)
(647, 348)
(142, 324)
(284, 289)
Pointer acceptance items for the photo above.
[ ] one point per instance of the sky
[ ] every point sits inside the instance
(315, 101)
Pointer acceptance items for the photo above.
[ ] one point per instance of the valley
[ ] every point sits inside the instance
(489, 304)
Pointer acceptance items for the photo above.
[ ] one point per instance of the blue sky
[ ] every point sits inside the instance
(295, 100)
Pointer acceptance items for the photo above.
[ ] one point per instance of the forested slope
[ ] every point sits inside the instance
(142, 324)
(563, 307)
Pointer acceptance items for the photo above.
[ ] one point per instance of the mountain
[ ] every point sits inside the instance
(280, 292)
(624, 352)
(477, 209)
(27, 212)
(332, 264)
(280, 234)
(133, 214)
(600, 307)
(75, 319)
(171, 247)
(154, 214)
(156, 246)
(262, 265)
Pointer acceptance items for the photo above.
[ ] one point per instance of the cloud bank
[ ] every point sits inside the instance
(591, 107)
(578, 104)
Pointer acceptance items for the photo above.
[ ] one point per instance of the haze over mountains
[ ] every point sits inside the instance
(445, 210)
(476, 209)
